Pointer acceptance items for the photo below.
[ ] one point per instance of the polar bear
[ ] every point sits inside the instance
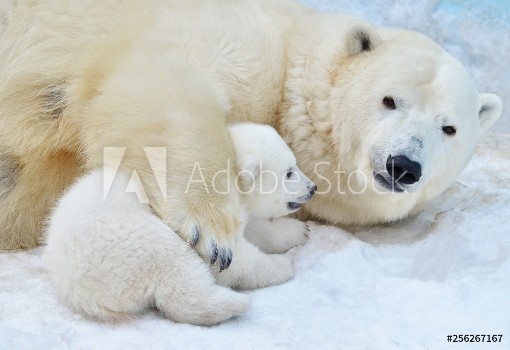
(382, 120)
(109, 256)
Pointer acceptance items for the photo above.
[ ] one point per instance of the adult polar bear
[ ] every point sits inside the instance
(355, 103)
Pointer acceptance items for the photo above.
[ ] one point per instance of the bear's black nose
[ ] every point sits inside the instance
(403, 170)
(313, 190)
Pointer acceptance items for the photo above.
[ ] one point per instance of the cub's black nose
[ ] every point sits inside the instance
(403, 170)
(313, 190)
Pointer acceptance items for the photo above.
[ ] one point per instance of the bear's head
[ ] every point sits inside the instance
(383, 120)
(269, 181)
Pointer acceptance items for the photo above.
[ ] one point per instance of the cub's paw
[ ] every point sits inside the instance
(213, 236)
(278, 235)
(263, 271)
(281, 270)
(272, 270)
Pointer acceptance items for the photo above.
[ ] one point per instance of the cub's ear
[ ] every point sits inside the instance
(362, 37)
(490, 111)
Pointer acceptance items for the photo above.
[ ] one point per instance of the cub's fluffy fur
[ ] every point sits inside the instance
(110, 257)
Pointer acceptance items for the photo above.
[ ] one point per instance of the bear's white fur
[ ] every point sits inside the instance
(109, 256)
(81, 75)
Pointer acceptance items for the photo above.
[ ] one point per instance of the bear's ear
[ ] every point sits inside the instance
(490, 111)
(362, 37)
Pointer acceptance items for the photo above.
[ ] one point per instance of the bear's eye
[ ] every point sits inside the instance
(389, 102)
(289, 174)
(449, 130)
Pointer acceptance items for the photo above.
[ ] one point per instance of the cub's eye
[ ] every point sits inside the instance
(289, 174)
(449, 130)
(389, 102)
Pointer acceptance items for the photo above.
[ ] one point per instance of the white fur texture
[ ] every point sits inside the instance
(110, 257)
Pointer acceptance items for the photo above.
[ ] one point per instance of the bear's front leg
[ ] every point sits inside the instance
(163, 120)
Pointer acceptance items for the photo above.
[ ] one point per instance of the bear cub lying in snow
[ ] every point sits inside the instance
(111, 257)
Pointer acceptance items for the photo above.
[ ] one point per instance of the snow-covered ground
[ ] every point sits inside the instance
(401, 286)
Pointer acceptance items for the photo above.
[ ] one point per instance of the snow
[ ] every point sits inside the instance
(401, 286)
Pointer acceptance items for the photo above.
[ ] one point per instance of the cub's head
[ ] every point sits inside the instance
(269, 180)
(389, 110)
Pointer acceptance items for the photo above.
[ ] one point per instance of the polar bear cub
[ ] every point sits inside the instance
(110, 257)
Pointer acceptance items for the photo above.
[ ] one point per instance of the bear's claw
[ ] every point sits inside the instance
(209, 241)
(214, 254)
(225, 258)
(210, 249)
(195, 237)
